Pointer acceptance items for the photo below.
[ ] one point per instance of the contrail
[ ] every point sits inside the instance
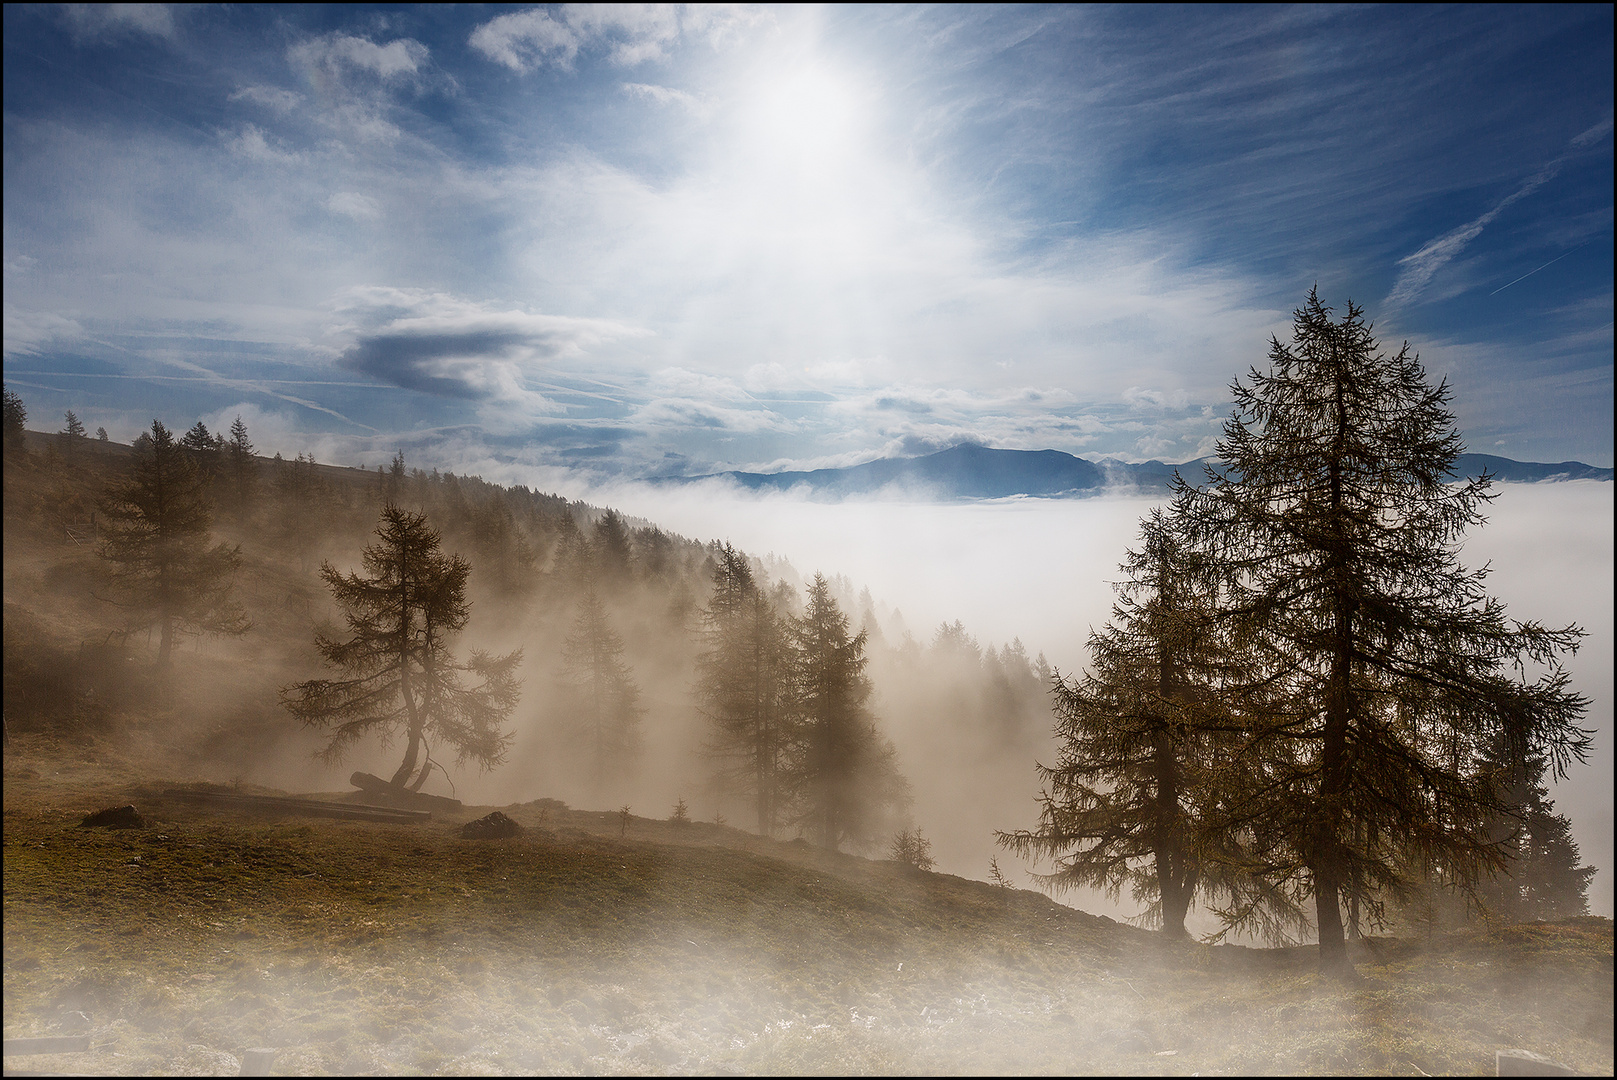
(1530, 273)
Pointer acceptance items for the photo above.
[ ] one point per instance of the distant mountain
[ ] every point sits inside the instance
(980, 472)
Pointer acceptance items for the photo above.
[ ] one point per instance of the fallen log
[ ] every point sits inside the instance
(399, 796)
(277, 804)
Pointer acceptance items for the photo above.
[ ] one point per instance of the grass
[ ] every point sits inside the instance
(680, 948)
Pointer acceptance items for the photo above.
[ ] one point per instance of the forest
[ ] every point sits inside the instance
(1302, 699)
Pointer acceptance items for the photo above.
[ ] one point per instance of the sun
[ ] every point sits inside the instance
(808, 119)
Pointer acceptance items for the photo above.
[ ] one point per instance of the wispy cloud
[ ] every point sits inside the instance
(1419, 268)
(632, 34)
(113, 20)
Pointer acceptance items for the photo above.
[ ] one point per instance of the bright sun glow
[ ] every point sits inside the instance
(807, 119)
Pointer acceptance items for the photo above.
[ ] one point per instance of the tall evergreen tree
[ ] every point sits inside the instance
(845, 774)
(1147, 751)
(155, 534)
(1336, 527)
(74, 428)
(200, 439)
(602, 697)
(398, 672)
(743, 684)
(1542, 878)
(610, 551)
(241, 466)
(15, 416)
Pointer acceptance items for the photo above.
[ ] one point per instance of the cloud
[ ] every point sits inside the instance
(634, 33)
(113, 20)
(524, 40)
(664, 95)
(28, 333)
(338, 54)
(448, 347)
(354, 205)
(271, 97)
(252, 143)
(1419, 268)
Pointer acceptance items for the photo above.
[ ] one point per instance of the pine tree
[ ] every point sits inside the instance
(15, 418)
(844, 773)
(74, 428)
(743, 685)
(610, 551)
(241, 466)
(1335, 528)
(603, 698)
(1542, 878)
(155, 534)
(397, 667)
(199, 439)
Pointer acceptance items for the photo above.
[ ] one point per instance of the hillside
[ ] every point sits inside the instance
(584, 947)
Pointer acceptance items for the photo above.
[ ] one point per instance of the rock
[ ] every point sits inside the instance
(114, 817)
(494, 827)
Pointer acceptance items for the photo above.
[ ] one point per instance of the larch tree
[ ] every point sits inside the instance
(845, 776)
(1335, 523)
(1147, 750)
(398, 674)
(155, 534)
(743, 686)
(600, 694)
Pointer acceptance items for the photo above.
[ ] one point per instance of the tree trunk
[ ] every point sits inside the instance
(1175, 900)
(1333, 956)
(165, 642)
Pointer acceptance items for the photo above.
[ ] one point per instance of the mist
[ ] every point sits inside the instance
(1041, 570)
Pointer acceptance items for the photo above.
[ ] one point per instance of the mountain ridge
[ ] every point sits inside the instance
(972, 471)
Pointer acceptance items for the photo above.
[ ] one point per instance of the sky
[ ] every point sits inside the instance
(564, 245)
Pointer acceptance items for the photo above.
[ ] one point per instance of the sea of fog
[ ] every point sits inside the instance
(1040, 570)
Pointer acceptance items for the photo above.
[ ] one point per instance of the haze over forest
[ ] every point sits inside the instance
(584, 292)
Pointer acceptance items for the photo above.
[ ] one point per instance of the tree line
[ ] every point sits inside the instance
(393, 674)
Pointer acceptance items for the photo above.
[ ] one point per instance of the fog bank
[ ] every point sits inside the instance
(1040, 569)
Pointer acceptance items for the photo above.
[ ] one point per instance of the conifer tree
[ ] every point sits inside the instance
(398, 672)
(1335, 527)
(744, 687)
(74, 427)
(610, 551)
(1147, 751)
(603, 698)
(242, 467)
(199, 439)
(15, 418)
(155, 534)
(844, 773)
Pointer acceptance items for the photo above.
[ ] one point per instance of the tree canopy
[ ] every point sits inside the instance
(398, 672)
(1330, 535)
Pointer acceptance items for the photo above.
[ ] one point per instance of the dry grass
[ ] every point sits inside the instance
(357, 947)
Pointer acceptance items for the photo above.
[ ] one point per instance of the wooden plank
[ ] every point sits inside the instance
(49, 1044)
(304, 807)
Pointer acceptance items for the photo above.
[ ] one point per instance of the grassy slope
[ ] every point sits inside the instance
(356, 947)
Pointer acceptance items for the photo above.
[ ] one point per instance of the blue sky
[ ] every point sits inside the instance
(613, 242)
